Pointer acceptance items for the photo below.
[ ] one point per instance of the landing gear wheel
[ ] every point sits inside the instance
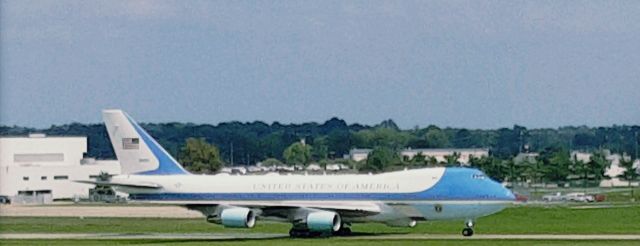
(344, 231)
(293, 233)
(296, 233)
(467, 232)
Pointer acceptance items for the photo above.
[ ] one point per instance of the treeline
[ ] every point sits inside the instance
(251, 142)
(551, 165)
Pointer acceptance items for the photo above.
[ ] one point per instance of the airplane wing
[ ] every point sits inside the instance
(284, 208)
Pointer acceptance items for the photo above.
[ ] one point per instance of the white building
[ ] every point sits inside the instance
(613, 171)
(46, 166)
(359, 154)
(441, 154)
(583, 156)
(529, 157)
(313, 167)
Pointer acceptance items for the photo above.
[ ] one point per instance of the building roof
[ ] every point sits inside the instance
(40, 137)
(446, 150)
(359, 151)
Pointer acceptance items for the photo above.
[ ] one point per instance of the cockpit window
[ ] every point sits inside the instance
(478, 176)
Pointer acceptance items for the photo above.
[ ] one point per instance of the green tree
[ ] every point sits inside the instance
(297, 154)
(254, 141)
(388, 124)
(597, 165)
(199, 156)
(452, 160)
(508, 142)
(630, 173)
(436, 138)
(380, 136)
(320, 150)
(419, 160)
(496, 170)
(593, 170)
(339, 142)
(462, 139)
(380, 159)
(535, 171)
(581, 170)
(556, 164)
(432, 161)
(491, 166)
(513, 172)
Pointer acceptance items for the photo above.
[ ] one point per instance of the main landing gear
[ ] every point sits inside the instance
(306, 233)
(468, 230)
(344, 231)
(303, 233)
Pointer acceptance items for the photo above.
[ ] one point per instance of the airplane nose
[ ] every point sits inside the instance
(502, 192)
(509, 194)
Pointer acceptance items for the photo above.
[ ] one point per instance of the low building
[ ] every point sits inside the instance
(583, 156)
(39, 169)
(613, 171)
(359, 154)
(524, 158)
(465, 155)
(313, 167)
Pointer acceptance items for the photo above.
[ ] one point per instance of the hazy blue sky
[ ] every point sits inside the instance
(479, 64)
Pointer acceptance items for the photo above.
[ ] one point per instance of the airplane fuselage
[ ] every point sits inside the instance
(312, 203)
(429, 193)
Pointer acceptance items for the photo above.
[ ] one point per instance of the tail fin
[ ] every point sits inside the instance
(137, 152)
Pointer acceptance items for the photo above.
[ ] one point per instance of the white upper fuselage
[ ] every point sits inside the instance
(409, 181)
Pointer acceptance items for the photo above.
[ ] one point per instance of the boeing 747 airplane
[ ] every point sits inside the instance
(314, 204)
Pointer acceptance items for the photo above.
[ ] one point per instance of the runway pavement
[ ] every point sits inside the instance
(250, 236)
(167, 236)
(98, 211)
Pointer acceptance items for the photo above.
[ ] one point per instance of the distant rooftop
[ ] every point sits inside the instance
(42, 135)
(446, 149)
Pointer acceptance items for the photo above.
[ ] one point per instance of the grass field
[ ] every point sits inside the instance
(322, 241)
(515, 220)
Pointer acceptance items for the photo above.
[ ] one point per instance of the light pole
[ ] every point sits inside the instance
(231, 153)
(636, 144)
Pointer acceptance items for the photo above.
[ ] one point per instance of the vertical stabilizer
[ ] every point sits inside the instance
(137, 151)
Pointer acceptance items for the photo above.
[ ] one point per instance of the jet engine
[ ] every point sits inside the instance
(324, 221)
(238, 217)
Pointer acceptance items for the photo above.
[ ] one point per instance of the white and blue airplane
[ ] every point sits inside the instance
(314, 204)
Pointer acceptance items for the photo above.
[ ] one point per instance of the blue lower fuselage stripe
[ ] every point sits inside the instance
(301, 196)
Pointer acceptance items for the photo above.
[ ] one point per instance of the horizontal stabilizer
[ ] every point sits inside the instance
(142, 185)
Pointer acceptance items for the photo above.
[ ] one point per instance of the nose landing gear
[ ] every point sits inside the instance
(468, 230)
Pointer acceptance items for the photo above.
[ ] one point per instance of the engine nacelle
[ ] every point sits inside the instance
(238, 217)
(402, 223)
(324, 221)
